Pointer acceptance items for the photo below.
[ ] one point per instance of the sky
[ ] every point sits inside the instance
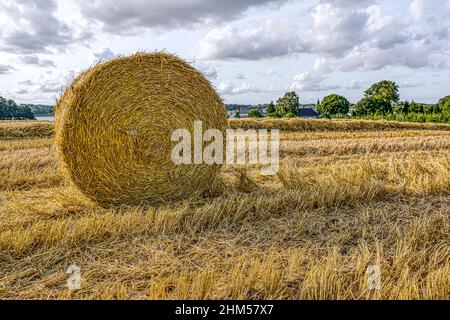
(252, 51)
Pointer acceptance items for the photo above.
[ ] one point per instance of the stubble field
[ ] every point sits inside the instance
(349, 195)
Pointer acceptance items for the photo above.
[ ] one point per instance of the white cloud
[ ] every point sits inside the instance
(4, 68)
(104, 54)
(47, 85)
(313, 80)
(386, 31)
(35, 60)
(129, 16)
(32, 26)
(412, 84)
(354, 84)
(336, 29)
(417, 9)
(271, 72)
(261, 40)
(208, 69)
(227, 87)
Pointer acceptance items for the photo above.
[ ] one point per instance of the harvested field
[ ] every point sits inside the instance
(349, 194)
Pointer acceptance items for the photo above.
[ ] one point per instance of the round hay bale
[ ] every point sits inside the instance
(114, 123)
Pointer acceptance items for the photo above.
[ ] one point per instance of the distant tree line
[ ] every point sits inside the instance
(41, 109)
(380, 101)
(10, 110)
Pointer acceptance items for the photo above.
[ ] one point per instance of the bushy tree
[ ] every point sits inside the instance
(2, 108)
(333, 105)
(289, 115)
(401, 107)
(270, 110)
(366, 106)
(24, 112)
(444, 105)
(254, 113)
(428, 108)
(9, 110)
(289, 103)
(415, 107)
(379, 98)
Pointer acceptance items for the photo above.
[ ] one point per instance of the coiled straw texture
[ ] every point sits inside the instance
(114, 123)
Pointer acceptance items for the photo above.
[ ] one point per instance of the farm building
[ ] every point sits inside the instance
(307, 113)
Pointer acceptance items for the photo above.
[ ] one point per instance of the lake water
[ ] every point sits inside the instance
(50, 118)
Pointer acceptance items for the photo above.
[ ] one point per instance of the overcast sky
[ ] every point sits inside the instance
(251, 50)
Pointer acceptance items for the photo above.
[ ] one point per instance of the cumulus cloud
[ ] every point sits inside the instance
(441, 32)
(415, 54)
(128, 16)
(48, 85)
(228, 87)
(271, 72)
(4, 68)
(104, 54)
(35, 60)
(417, 9)
(30, 26)
(261, 40)
(412, 84)
(354, 84)
(313, 80)
(54, 83)
(22, 91)
(337, 29)
(385, 31)
(26, 82)
(378, 41)
(208, 69)
(352, 33)
(349, 3)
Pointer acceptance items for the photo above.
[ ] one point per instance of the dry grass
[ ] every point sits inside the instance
(25, 129)
(307, 125)
(342, 201)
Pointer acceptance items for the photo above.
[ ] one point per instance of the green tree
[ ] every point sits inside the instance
(427, 108)
(380, 97)
(333, 105)
(270, 110)
(24, 113)
(289, 115)
(444, 105)
(401, 107)
(289, 103)
(9, 110)
(415, 107)
(366, 106)
(2, 108)
(254, 113)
